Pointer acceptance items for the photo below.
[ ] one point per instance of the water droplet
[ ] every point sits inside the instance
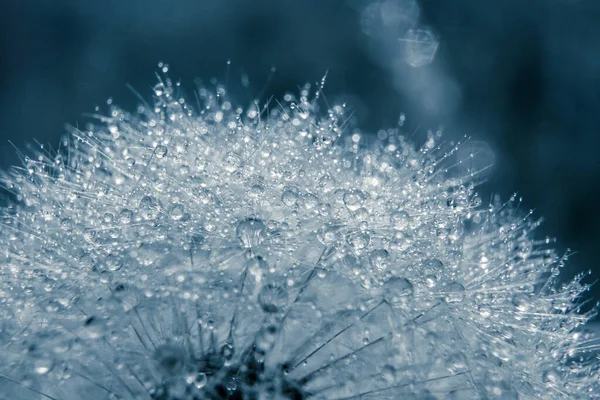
(159, 89)
(432, 266)
(431, 280)
(94, 327)
(66, 224)
(310, 201)
(160, 151)
(114, 262)
(43, 366)
(289, 197)
(256, 191)
(353, 199)
(456, 363)
(149, 207)
(272, 298)
(358, 240)
(551, 375)
(398, 290)
(329, 233)
(400, 219)
(266, 338)
(125, 216)
(521, 301)
(227, 351)
(251, 232)
(257, 264)
(388, 373)
(454, 292)
(108, 218)
(380, 259)
(200, 380)
(176, 212)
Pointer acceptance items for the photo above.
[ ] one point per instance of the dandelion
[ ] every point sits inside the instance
(216, 252)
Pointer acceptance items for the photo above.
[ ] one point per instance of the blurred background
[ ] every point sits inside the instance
(522, 78)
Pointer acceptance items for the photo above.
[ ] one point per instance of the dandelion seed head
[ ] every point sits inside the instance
(216, 252)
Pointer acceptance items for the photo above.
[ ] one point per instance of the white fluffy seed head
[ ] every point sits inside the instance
(215, 252)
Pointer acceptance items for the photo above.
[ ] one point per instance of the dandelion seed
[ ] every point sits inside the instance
(214, 253)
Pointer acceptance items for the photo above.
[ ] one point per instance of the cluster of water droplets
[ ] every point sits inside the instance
(218, 252)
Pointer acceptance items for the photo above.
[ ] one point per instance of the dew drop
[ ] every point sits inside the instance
(94, 327)
(432, 266)
(160, 151)
(114, 262)
(456, 363)
(358, 240)
(149, 207)
(272, 298)
(389, 373)
(66, 224)
(329, 233)
(257, 265)
(551, 375)
(400, 220)
(42, 366)
(353, 199)
(125, 216)
(521, 301)
(431, 280)
(398, 290)
(200, 380)
(176, 212)
(251, 232)
(289, 197)
(380, 259)
(454, 293)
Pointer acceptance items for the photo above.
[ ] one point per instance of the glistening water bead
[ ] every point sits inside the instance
(215, 252)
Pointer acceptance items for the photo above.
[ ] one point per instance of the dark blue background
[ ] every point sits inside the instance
(523, 76)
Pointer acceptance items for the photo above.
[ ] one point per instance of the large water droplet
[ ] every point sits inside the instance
(358, 240)
(456, 363)
(43, 365)
(400, 219)
(200, 380)
(257, 264)
(329, 233)
(398, 290)
(94, 327)
(521, 301)
(251, 232)
(176, 212)
(550, 375)
(114, 262)
(160, 151)
(125, 216)
(149, 207)
(432, 266)
(289, 197)
(454, 292)
(431, 280)
(272, 298)
(380, 259)
(353, 199)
